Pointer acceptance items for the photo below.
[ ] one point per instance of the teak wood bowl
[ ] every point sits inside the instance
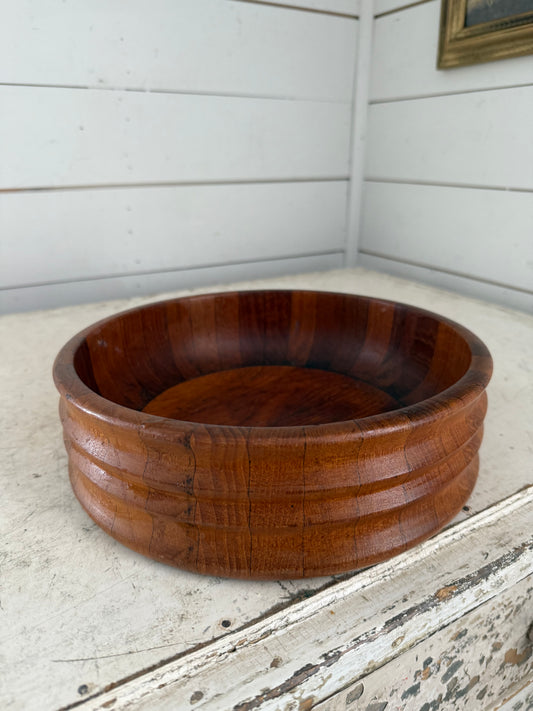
(273, 434)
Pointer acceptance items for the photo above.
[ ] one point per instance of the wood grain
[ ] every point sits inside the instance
(255, 497)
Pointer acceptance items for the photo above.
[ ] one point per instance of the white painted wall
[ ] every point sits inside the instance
(448, 192)
(186, 143)
(170, 144)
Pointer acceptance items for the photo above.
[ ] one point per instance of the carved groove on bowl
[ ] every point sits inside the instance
(267, 500)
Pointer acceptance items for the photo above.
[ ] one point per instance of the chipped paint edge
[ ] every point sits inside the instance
(453, 601)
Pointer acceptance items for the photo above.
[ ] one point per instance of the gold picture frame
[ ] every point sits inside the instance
(473, 31)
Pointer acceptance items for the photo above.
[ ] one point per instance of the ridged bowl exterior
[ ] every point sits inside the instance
(275, 502)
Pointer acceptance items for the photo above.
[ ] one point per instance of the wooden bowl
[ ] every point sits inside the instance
(273, 434)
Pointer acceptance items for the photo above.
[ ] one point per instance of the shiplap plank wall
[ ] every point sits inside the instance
(91, 137)
(448, 196)
(226, 126)
(207, 46)
(344, 7)
(463, 139)
(408, 228)
(223, 125)
(411, 72)
(218, 224)
(140, 284)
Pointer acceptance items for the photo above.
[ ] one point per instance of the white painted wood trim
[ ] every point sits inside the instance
(359, 130)
(336, 647)
(202, 46)
(382, 7)
(347, 7)
(66, 235)
(403, 68)
(483, 234)
(461, 284)
(53, 295)
(85, 138)
(465, 139)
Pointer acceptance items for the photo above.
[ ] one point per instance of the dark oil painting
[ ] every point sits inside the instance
(479, 11)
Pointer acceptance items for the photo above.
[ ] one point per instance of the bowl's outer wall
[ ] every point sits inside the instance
(282, 502)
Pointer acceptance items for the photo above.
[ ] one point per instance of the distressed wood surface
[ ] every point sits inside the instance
(304, 654)
(519, 697)
(474, 663)
(80, 612)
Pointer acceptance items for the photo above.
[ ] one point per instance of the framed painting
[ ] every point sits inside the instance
(473, 31)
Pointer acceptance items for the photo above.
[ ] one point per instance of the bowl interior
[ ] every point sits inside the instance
(271, 358)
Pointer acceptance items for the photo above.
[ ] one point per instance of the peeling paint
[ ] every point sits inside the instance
(396, 622)
(460, 634)
(445, 593)
(462, 692)
(306, 704)
(411, 691)
(355, 694)
(481, 694)
(432, 705)
(512, 656)
(451, 671)
(297, 678)
(425, 673)
(196, 697)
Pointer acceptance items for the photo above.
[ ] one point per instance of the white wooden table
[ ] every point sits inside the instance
(86, 622)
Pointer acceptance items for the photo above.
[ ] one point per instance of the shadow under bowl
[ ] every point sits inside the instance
(273, 434)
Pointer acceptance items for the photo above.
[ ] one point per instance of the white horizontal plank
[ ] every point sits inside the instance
(482, 139)
(346, 7)
(381, 6)
(55, 137)
(47, 296)
(210, 46)
(403, 68)
(479, 289)
(486, 234)
(81, 234)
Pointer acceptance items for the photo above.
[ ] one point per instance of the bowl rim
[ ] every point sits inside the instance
(465, 390)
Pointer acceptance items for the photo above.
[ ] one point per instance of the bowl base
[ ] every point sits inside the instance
(271, 396)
